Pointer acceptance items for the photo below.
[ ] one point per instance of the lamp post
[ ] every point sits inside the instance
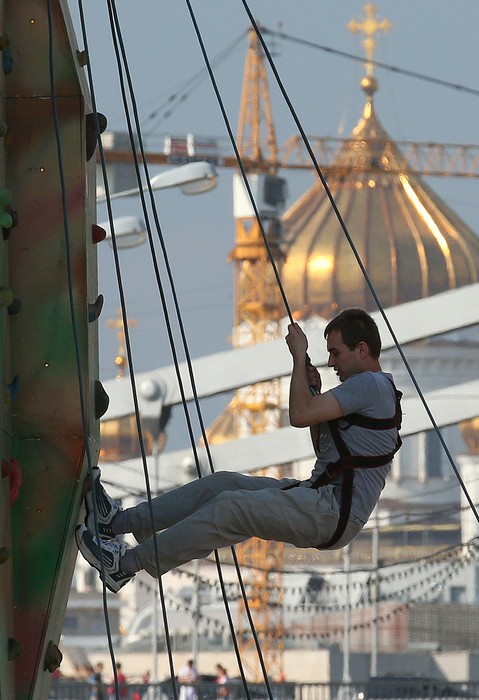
(191, 178)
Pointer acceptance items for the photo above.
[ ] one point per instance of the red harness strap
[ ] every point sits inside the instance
(347, 463)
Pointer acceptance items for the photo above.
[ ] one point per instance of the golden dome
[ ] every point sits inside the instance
(410, 243)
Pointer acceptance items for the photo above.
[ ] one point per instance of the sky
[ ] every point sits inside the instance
(431, 37)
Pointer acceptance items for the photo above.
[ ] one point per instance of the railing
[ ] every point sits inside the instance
(378, 689)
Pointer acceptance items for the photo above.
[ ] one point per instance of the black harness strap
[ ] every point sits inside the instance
(347, 462)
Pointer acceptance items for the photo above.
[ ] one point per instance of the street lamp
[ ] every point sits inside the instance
(130, 231)
(192, 178)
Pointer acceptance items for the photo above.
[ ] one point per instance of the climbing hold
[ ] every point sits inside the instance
(94, 310)
(13, 215)
(6, 296)
(82, 58)
(9, 211)
(97, 233)
(53, 657)
(102, 400)
(7, 57)
(4, 554)
(6, 220)
(12, 388)
(14, 307)
(91, 131)
(13, 470)
(15, 649)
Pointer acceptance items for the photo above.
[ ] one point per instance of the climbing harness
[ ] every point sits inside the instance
(347, 462)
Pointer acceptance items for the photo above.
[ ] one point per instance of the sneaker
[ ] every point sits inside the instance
(110, 553)
(106, 508)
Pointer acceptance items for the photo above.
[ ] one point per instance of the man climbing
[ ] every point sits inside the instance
(354, 429)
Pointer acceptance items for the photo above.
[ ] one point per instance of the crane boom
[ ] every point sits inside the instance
(426, 159)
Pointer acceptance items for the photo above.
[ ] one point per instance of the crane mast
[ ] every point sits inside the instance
(256, 135)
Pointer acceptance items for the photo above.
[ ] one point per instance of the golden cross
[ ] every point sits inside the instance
(370, 26)
(120, 360)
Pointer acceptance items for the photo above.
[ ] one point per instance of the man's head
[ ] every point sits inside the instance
(354, 344)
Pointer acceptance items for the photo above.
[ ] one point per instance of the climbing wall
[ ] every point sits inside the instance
(48, 325)
(6, 298)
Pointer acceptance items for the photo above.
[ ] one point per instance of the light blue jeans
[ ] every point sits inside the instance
(225, 508)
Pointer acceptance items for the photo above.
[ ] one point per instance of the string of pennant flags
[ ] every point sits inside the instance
(420, 590)
(461, 554)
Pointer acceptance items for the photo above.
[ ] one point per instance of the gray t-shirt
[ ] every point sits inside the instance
(370, 394)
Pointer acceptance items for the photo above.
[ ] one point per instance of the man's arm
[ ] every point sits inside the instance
(306, 409)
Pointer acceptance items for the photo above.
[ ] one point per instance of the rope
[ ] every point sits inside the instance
(113, 20)
(239, 161)
(359, 261)
(119, 48)
(122, 67)
(280, 287)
